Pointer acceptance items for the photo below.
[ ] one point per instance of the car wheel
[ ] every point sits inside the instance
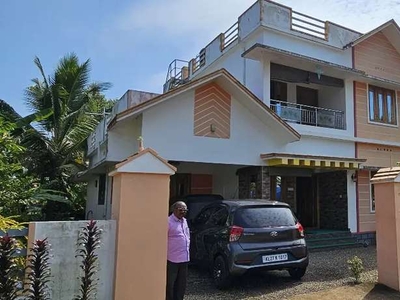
(220, 273)
(297, 273)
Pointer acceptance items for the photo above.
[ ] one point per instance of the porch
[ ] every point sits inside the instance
(319, 196)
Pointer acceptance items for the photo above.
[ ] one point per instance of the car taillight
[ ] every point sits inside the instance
(300, 229)
(235, 234)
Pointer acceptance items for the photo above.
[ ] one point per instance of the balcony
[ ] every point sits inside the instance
(309, 115)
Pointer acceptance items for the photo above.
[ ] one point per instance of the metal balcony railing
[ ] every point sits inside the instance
(309, 115)
(229, 36)
(308, 25)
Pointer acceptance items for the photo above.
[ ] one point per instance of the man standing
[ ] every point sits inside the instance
(178, 252)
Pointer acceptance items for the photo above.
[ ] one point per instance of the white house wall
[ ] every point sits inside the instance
(351, 202)
(248, 72)
(307, 48)
(168, 128)
(255, 74)
(93, 210)
(320, 146)
(123, 139)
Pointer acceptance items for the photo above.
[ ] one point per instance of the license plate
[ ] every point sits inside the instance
(273, 258)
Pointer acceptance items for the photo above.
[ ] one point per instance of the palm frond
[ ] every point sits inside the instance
(35, 117)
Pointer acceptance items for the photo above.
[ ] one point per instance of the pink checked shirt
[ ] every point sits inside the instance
(178, 240)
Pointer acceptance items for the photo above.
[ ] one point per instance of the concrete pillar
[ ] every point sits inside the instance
(140, 207)
(267, 81)
(386, 185)
(351, 201)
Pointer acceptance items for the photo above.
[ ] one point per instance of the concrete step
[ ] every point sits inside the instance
(328, 235)
(331, 240)
(327, 247)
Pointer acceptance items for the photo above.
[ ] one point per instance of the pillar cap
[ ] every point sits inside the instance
(146, 161)
(386, 175)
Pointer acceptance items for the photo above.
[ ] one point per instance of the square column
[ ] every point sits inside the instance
(140, 206)
(386, 184)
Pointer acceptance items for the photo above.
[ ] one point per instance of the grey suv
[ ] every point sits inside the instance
(232, 237)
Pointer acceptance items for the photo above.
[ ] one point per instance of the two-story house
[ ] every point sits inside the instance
(280, 106)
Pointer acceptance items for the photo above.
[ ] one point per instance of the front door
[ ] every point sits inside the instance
(307, 201)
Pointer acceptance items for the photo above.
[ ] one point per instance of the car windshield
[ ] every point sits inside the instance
(259, 217)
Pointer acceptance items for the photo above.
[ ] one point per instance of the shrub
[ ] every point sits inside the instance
(8, 268)
(9, 223)
(38, 271)
(89, 242)
(356, 268)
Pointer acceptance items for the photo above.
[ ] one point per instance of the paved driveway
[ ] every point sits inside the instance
(326, 270)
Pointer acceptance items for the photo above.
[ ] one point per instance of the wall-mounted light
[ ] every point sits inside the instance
(212, 128)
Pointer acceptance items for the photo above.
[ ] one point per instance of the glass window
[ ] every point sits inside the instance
(371, 104)
(382, 105)
(101, 199)
(389, 108)
(260, 217)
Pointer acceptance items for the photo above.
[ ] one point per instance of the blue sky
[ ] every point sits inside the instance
(131, 43)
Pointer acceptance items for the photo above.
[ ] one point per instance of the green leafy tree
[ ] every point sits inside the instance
(21, 194)
(8, 112)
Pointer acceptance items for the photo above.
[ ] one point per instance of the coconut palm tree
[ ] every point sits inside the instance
(64, 100)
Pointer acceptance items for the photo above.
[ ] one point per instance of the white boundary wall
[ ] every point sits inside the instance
(65, 267)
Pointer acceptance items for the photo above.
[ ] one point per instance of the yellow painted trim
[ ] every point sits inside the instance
(295, 162)
(274, 162)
